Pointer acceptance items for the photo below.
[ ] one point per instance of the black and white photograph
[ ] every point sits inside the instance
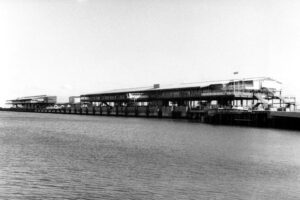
(150, 99)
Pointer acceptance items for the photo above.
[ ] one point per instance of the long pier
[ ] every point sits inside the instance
(252, 102)
(269, 119)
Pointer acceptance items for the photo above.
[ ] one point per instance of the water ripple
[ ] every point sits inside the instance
(46, 156)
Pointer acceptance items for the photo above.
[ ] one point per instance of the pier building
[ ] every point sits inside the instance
(251, 101)
(253, 93)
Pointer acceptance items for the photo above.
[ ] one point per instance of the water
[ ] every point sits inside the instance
(53, 156)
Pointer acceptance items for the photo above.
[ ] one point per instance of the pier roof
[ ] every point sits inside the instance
(32, 99)
(179, 86)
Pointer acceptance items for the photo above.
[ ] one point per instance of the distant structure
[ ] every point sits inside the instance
(74, 100)
(33, 102)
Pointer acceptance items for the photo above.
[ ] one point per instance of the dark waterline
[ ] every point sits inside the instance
(46, 156)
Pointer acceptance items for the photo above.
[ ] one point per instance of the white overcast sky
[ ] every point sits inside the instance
(72, 47)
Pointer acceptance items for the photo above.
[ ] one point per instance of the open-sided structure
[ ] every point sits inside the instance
(33, 102)
(252, 93)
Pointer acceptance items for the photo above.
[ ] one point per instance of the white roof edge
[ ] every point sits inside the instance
(181, 85)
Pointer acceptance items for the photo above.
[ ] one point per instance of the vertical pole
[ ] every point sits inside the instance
(280, 99)
(233, 88)
(147, 111)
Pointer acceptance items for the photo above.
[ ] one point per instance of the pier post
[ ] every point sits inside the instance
(202, 118)
(147, 111)
(136, 111)
(159, 112)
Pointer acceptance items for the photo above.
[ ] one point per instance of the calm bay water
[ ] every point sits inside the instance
(49, 156)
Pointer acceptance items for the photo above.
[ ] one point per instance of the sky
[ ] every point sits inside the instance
(73, 47)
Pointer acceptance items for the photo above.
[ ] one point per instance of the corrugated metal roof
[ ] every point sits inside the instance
(126, 90)
(179, 86)
(30, 98)
(150, 88)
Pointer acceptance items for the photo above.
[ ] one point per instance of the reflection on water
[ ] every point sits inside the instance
(46, 156)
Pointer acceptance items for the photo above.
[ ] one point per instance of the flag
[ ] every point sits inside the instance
(235, 73)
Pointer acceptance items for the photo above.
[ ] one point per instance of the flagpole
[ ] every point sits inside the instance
(234, 73)
(233, 87)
